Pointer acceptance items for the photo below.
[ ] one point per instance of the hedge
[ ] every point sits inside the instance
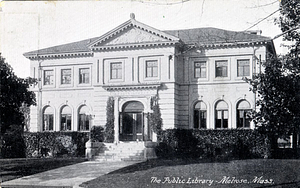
(55, 144)
(230, 144)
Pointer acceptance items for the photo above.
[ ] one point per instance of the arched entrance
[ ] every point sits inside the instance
(132, 124)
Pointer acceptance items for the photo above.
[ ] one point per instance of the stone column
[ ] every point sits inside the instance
(116, 122)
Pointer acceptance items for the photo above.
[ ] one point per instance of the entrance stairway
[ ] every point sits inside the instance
(122, 151)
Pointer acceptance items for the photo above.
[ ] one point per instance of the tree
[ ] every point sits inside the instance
(278, 86)
(14, 97)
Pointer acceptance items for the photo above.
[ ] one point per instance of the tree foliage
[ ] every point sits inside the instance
(278, 86)
(14, 95)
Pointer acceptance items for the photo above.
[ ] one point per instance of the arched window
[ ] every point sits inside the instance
(221, 115)
(83, 119)
(200, 115)
(243, 121)
(65, 118)
(48, 119)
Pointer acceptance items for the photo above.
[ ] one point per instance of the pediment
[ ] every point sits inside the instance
(133, 35)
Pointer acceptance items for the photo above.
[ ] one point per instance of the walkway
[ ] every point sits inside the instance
(68, 176)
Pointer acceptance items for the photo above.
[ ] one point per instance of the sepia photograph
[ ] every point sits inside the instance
(150, 93)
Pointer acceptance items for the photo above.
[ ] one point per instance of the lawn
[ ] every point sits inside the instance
(182, 173)
(16, 168)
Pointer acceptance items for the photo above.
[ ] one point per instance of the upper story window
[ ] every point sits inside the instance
(66, 76)
(222, 68)
(48, 77)
(116, 70)
(243, 68)
(200, 69)
(151, 68)
(84, 76)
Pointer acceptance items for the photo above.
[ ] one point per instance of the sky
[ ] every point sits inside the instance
(30, 25)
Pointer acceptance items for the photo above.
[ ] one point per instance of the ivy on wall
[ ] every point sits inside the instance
(155, 120)
(109, 126)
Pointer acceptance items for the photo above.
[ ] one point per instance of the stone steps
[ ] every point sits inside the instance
(124, 151)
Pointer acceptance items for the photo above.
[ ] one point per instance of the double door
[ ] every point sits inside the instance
(131, 127)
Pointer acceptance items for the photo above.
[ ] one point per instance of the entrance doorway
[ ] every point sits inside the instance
(132, 121)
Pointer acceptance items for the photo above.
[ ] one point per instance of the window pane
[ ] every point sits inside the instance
(113, 74)
(225, 114)
(196, 119)
(155, 71)
(197, 72)
(225, 123)
(203, 119)
(219, 114)
(66, 76)
(203, 72)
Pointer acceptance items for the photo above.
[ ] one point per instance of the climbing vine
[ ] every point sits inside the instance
(155, 120)
(109, 126)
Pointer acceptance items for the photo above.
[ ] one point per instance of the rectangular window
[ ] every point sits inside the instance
(221, 68)
(48, 77)
(116, 70)
(84, 76)
(243, 68)
(151, 68)
(66, 76)
(243, 121)
(200, 69)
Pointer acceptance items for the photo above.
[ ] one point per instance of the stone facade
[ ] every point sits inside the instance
(198, 82)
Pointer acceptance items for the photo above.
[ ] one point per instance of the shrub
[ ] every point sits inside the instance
(97, 133)
(231, 143)
(55, 144)
(13, 145)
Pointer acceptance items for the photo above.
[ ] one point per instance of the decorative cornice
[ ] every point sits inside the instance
(113, 87)
(231, 44)
(61, 55)
(130, 46)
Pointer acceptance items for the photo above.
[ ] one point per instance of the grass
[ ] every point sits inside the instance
(238, 173)
(16, 168)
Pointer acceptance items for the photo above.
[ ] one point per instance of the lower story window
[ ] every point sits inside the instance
(222, 119)
(65, 122)
(243, 121)
(221, 115)
(84, 122)
(48, 122)
(200, 119)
